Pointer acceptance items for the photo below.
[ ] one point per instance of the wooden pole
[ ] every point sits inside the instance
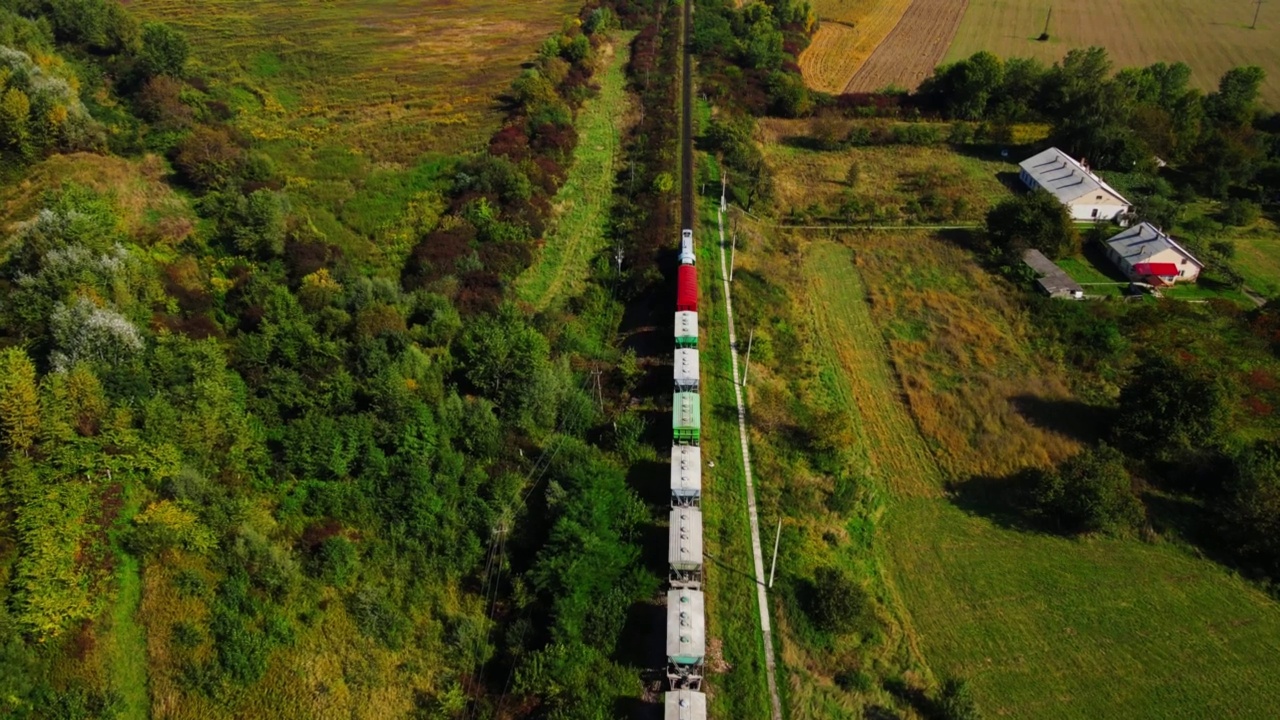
(746, 369)
(733, 253)
(1256, 10)
(774, 565)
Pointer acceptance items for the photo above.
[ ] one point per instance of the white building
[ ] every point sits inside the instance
(1087, 196)
(1146, 254)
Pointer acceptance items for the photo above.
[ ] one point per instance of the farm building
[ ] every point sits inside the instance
(1087, 196)
(1054, 281)
(685, 705)
(1146, 254)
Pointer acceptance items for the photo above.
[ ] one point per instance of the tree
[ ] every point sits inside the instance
(19, 401)
(1034, 220)
(1168, 408)
(1236, 100)
(1091, 492)
(164, 51)
(15, 113)
(208, 157)
(852, 174)
(839, 603)
(1251, 513)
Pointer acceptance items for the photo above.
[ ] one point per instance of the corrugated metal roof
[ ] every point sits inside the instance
(687, 412)
(1141, 242)
(684, 546)
(686, 367)
(686, 626)
(685, 705)
(687, 288)
(686, 324)
(686, 470)
(686, 247)
(1064, 177)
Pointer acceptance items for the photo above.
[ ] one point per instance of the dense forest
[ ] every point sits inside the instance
(266, 456)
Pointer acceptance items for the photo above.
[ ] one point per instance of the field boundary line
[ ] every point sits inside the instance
(770, 662)
(782, 226)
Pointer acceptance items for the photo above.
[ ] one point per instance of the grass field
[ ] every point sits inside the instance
(1258, 259)
(735, 663)
(889, 176)
(848, 32)
(1211, 36)
(1042, 626)
(582, 205)
(394, 78)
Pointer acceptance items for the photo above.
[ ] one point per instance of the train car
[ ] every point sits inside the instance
(686, 475)
(686, 419)
(686, 329)
(686, 631)
(685, 705)
(686, 370)
(687, 289)
(686, 248)
(684, 547)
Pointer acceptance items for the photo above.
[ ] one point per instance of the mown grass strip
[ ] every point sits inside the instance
(736, 673)
(582, 205)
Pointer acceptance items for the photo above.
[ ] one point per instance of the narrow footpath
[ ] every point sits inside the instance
(771, 673)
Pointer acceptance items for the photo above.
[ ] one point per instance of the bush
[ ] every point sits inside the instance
(1090, 492)
(839, 604)
(1240, 213)
(956, 702)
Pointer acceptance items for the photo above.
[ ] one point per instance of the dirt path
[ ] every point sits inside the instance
(914, 48)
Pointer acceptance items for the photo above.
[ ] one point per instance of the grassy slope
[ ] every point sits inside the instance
(888, 174)
(394, 78)
(582, 205)
(737, 685)
(1048, 627)
(1209, 35)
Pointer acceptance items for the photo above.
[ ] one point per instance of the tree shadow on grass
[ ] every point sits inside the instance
(1072, 418)
(642, 642)
(1006, 501)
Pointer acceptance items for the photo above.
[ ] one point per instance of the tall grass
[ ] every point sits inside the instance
(582, 205)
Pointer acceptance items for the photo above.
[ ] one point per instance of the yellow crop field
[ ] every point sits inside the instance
(849, 32)
(1211, 36)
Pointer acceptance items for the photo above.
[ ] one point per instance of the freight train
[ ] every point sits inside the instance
(686, 604)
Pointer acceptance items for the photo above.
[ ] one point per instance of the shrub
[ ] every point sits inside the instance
(956, 702)
(839, 603)
(1090, 492)
(1240, 213)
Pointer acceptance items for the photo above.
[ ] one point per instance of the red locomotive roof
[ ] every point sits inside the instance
(1156, 269)
(687, 289)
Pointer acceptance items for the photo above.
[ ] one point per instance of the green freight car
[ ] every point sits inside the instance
(686, 419)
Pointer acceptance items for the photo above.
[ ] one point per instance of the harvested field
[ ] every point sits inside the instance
(849, 32)
(1211, 36)
(909, 54)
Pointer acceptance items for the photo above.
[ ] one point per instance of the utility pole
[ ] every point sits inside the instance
(733, 253)
(774, 565)
(599, 392)
(747, 368)
(1256, 10)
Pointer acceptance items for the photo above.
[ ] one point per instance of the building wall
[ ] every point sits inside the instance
(1189, 270)
(1106, 209)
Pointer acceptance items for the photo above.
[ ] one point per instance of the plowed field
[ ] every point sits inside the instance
(909, 54)
(848, 35)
